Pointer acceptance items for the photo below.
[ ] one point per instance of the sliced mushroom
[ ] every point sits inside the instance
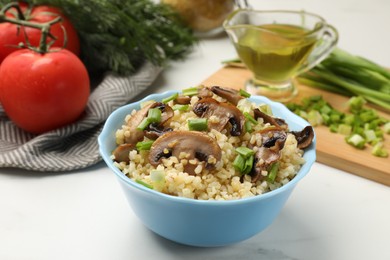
(223, 112)
(183, 100)
(264, 157)
(270, 119)
(121, 152)
(231, 95)
(205, 92)
(273, 140)
(304, 137)
(197, 145)
(137, 135)
(154, 130)
(166, 111)
(273, 136)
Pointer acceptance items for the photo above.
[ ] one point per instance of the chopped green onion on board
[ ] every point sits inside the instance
(361, 126)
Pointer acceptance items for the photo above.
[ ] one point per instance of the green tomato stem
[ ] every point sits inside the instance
(10, 6)
(44, 27)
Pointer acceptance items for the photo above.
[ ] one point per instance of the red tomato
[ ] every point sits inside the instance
(41, 92)
(9, 39)
(11, 35)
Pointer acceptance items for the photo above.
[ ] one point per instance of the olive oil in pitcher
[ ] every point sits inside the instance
(274, 52)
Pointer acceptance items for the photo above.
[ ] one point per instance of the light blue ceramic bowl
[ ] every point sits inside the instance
(197, 222)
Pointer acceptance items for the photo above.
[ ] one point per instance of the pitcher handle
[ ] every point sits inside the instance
(329, 41)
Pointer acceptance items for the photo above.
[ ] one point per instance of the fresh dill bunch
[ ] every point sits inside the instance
(119, 35)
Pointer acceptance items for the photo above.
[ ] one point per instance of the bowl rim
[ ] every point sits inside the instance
(309, 154)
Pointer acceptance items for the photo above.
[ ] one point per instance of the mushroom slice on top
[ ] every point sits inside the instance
(273, 140)
(121, 152)
(272, 136)
(231, 95)
(183, 100)
(223, 113)
(154, 130)
(196, 145)
(166, 111)
(137, 135)
(304, 137)
(204, 92)
(270, 119)
(264, 157)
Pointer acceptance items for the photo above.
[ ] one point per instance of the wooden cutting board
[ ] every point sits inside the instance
(331, 147)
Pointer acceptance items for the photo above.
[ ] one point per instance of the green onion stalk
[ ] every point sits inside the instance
(351, 75)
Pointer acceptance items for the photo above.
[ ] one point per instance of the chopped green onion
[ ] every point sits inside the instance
(239, 163)
(302, 114)
(344, 129)
(250, 118)
(190, 91)
(170, 98)
(368, 115)
(335, 117)
(356, 140)
(326, 109)
(244, 164)
(314, 117)
(334, 128)
(272, 172)
(248, 165)
(370, 135)
(386, 128)
(266, 109)
(248, 126)
(349, 119)
(180, 107)
(144, 124)
(245, 151)
(157, 177)
(147, 185)
(356, 103)
(325, 119)
(379, 150)
(197, 124)
(244, 93)
(154, 115)
(144, 146)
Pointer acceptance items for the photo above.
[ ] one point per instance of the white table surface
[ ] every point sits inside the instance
(331, 215)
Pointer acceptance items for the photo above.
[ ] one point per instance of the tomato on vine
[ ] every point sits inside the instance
(12, 35)
(43, 88)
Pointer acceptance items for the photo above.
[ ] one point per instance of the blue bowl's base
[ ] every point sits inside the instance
(204, 223)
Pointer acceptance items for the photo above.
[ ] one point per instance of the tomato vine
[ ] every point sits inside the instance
(44, 27)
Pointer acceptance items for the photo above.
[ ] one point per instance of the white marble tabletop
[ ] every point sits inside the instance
(331, 215)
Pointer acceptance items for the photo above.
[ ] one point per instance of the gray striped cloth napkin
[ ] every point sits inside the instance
(73, 146)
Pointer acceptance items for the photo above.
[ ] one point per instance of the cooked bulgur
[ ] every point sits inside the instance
(221, 181)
